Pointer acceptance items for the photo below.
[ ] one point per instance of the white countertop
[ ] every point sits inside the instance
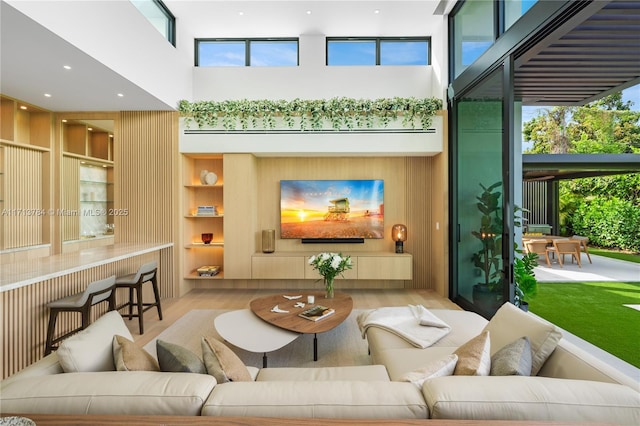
(20, 274)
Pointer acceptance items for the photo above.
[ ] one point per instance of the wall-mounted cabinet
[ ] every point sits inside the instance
(365, 266)
(24, 124)
(203, 213)
(92, 139)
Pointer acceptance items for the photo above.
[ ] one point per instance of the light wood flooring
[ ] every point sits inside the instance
(172, 309)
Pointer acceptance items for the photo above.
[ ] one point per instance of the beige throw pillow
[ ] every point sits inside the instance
(511, 323)
(222, 363)
(127, 356)
(513, 359)
(474, 358)
(439, 368)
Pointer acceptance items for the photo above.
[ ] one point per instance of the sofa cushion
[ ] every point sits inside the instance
(324, 399)
(222, 363)
(474, 357)
(110, 392)
(402, 361)
(92, 348)
(370, 373)
(531, 398)
(177, 359)
(442, 367)
(513, 359)
(127, 356)
(511, 323)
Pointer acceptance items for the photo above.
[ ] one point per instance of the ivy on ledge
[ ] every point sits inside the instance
(342, 113)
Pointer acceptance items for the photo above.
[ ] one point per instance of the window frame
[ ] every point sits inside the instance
(377, 41)
(247, 47)
(171, 20)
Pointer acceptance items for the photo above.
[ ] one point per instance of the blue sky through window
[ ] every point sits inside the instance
(274, 53)
(351, 52)
(404, 52)
(221, 54)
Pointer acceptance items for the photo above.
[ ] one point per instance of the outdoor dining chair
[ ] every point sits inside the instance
(583, 245)
(562, 247)
(538, 247)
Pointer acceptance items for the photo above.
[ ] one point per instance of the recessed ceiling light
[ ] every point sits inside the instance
(90, 129)
(240, 13)
(64, 120)
(23, 107)
(120, 95)
(104, 165)
(66, 67)
(308, 12)
(376, 11)
(47, 95)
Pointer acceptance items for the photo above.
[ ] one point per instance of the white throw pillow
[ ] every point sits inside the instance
(92, 348)
(511, 323)
(439, 368)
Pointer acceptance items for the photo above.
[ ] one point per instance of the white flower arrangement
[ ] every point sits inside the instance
(329, 265)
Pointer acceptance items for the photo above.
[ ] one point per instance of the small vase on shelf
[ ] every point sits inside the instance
(328, 285)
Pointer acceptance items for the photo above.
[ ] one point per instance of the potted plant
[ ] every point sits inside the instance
(487, 294)
(524, 279)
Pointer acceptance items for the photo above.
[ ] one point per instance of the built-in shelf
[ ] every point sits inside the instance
(194, 195)
(195, 276)
(205, 246)
(204, 186)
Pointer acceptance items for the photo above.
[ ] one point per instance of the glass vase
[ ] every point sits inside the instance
(328, 286)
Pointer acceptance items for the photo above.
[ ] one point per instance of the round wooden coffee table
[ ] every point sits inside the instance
(341, 303)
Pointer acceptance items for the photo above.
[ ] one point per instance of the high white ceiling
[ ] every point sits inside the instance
(28, 50)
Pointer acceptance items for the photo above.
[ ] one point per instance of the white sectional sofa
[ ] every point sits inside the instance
(570, 386)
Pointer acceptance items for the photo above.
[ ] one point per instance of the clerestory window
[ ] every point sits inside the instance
(271, 52)
(378, 51)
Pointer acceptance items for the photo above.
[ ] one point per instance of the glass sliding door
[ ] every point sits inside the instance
(478, 196)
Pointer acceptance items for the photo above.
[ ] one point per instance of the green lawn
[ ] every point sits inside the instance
(594, 311)
(629, 257)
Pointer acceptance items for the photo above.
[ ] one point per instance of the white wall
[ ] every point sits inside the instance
(116, 34)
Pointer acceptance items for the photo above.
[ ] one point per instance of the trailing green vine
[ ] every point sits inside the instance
(343, 113)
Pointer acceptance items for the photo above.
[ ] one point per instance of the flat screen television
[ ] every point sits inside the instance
(332, 210)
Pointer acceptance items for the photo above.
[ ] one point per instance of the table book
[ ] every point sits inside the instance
(316, 313)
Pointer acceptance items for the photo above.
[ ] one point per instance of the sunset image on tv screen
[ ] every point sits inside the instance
(331, 209)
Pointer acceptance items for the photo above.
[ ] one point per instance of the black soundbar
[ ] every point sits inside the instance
(332, 240)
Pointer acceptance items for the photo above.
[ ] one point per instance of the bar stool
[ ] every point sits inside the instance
(96, 292)
(146, 273)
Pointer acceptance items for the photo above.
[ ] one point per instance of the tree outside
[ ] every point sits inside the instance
(606, 209)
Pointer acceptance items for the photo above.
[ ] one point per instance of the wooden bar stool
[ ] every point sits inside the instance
(96, 292)
(146, 273)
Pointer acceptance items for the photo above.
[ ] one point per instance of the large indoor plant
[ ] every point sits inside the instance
(329, 265)
(487, 294)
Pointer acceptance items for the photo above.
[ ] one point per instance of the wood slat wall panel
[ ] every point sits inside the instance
(25, 313)
(23, 197)
(70, 201)
(146, 182)
(418, 207)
